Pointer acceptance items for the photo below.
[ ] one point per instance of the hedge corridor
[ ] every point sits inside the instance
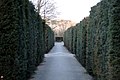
(96, 41)
(24, 39)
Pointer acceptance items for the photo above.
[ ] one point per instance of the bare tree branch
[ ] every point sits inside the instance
(46, 8)
(54, 27)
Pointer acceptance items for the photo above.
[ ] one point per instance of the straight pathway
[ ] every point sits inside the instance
(60, 64)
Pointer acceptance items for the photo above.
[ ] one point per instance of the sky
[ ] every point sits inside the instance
(74, 10)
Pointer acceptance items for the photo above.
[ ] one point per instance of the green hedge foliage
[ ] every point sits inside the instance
(22, 39)
(49, 38)
(96, 40)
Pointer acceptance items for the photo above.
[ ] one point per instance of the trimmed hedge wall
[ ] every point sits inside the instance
(49, 38)
(23, 39)
(96, 41)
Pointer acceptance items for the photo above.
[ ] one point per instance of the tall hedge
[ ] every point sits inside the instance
(22, 39)
(49, 38)
(98, 41)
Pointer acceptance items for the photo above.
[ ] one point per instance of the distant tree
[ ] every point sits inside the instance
(61, 27)
(47, 9)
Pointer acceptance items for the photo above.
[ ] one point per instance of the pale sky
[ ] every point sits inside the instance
(74, 10)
